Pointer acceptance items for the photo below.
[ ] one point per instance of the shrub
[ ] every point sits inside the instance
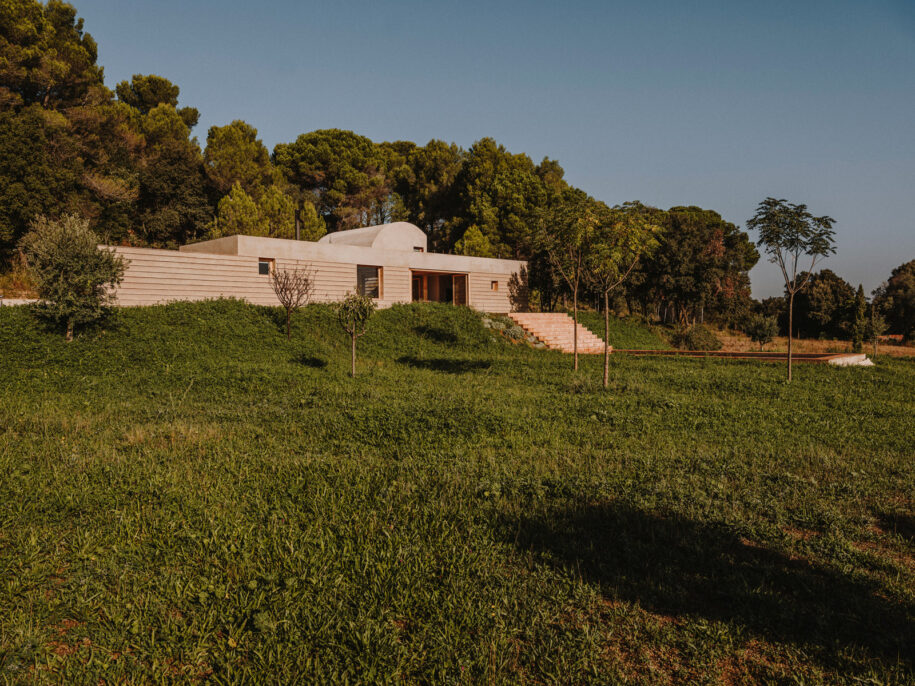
(761, 329)
(73, 276)
(696, 337)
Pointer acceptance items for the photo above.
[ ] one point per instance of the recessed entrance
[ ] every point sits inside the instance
(439, 287)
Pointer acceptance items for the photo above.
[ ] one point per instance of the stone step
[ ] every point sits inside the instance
(555, 330)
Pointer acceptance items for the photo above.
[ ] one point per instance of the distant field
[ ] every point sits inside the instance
(185, 495)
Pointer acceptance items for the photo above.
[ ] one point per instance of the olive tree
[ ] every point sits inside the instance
(790, 233)
(74, 277)
(353, 313)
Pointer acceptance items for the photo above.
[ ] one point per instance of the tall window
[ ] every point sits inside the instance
(368, 281)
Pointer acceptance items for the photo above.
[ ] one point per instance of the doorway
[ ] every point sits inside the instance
(439, 287)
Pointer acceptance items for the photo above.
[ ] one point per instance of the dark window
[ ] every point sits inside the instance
(368, 281)
(264, 265)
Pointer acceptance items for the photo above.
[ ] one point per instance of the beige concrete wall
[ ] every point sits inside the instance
(159, 276)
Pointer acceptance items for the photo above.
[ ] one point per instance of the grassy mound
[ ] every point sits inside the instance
(186, 495)
(625, 334)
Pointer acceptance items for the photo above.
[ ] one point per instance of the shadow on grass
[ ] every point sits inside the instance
(310, 361)
(675, 566)
(898, 523)
(435, 334)
(445, 364)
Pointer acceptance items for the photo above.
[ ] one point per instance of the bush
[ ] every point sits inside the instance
(696, 337)
(761, 329)
(73, 276)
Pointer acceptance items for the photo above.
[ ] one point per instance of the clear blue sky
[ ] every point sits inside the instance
(716, 104)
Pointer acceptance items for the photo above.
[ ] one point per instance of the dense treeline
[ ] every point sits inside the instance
(128, 161)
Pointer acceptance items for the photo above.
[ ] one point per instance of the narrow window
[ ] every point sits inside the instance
(368, 281)
(494, 286)
(417, 248)
(264, 265)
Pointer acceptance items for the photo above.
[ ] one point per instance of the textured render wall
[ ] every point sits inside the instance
(482, 297)
(161, 276)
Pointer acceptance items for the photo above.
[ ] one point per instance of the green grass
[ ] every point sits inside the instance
(625, 334)
(185, 495)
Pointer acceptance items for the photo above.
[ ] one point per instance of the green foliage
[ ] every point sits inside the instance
(311, 226)
(897, 300)
(696, 337)
(172, 205)
(73, 276)
(465, 510)
(32, 178)
(426, 186)
(237, 213)
(273, 215)
(700, 267)
(353, 313)
(146, 92)
(825, 307)
(234, 154)
(474, 243)
(277, 212)
(789, 232)
(761, 329)
(623, 237)
(344, 171)
(859, 321)
(875, 326)
(45, 56)
(502, 195)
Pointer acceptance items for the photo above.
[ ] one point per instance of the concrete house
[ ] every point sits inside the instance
(389, 262)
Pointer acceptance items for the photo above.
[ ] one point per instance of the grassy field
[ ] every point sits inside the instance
(186, 496)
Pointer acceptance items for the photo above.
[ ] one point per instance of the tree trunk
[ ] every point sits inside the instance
(790, 326)
(575, 330)
(353, 366)
(288, 326)
(874, 330)
(606, 339)
(69, 330)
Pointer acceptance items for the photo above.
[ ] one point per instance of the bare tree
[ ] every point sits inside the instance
(293, 288)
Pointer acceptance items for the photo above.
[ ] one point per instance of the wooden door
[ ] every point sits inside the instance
(459, 288)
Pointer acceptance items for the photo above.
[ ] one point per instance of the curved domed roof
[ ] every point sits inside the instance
(395, 236)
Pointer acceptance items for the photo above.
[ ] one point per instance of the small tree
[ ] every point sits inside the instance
(353, 313)
(293, 288)
(788, 232)
(761, 329)
(875, 325)
(859, 321)
(619, 241)
(74, 277)
(565, 236)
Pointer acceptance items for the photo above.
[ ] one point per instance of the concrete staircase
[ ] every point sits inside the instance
(555, 329)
